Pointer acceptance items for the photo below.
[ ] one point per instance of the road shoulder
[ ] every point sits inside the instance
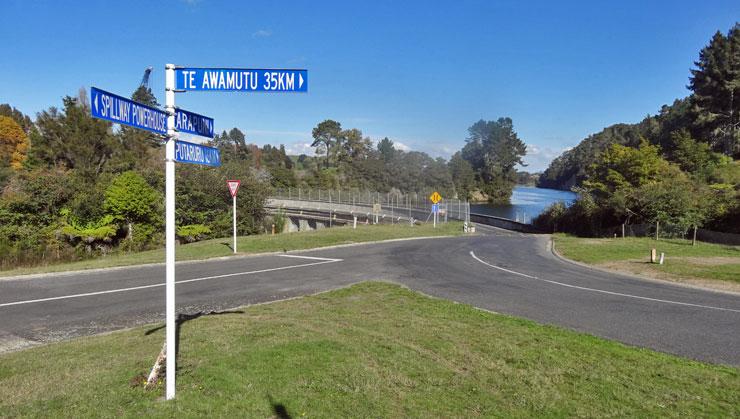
(699, 284)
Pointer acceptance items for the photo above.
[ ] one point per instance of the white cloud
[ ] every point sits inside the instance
(401, 146)
(298, 148)
(538, 158)
(262, 33)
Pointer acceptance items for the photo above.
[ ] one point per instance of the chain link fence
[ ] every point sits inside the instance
(412, 204)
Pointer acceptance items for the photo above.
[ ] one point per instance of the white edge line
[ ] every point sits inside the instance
(611, 292)
(498, 267)
(88, 294)
(310, 257)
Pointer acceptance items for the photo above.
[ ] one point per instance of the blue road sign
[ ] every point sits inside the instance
(435, 208)
(241, 79)
(192, 123)
(124, 111)
(186, 152)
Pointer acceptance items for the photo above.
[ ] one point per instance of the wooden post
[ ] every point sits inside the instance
(622, 230)
(151, 381)
(657, 229)
(273, 229)
(653, 255)
(693, 241)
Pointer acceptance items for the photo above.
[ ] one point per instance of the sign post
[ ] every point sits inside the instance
(233, 188)
(169, 168)
(181, 79)
(118, 109)
(435, 197)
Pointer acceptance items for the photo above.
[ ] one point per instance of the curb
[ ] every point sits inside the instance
(551, 245)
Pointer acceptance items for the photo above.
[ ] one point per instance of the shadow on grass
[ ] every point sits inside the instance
(279, 409)
(228, 245)
(184, 317)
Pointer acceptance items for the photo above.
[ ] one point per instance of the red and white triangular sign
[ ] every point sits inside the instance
(233, 186)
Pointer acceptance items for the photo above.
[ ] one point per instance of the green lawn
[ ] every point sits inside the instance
(371, 350)
(256, 244)
(682, 260)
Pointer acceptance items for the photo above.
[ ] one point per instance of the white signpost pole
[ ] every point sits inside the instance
(170, 229)
(234, 199)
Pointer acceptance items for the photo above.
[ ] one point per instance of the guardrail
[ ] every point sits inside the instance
(504, 223)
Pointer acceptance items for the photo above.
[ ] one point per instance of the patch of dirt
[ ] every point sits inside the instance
(707, 261)
(12, 343)
(138, 380)
(644, 268)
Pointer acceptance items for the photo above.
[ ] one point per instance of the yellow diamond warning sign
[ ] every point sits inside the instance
(435, 197)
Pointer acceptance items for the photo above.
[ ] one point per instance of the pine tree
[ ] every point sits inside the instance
(716, 86)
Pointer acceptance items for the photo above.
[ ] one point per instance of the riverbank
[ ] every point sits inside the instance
(707, 265)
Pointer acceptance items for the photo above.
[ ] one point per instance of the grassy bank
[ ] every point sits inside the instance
(705, 261)
(372, 350)
(256, 244)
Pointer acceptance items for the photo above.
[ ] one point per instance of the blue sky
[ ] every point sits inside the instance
(419, 73)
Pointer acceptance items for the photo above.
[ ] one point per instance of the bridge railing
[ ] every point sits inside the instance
(412, 204)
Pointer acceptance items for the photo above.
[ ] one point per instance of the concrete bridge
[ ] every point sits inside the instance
(319, 209)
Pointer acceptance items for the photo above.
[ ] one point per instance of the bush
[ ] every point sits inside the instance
(192, 233)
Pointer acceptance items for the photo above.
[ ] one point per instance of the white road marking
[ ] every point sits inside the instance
(185, 281)
(310, 257)
(498, 267)
(639, 297)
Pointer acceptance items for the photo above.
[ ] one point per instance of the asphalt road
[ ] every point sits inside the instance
(505, 272)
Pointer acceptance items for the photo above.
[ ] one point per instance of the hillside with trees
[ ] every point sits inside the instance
(679, 166)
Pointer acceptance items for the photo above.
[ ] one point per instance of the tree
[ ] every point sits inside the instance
(692, 156)
(130, 199)
(493, 149)
(13, 143)
(463, 176)
(716, 85)
(326, 135)
(23, 120)
(386, 149)
(73, 139)
(144, 95)
(353, 146)
(674, 199)
(624, 168)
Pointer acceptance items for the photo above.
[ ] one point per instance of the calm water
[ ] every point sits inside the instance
(526, 203)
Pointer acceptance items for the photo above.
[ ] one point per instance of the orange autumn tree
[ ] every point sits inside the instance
(13, 143)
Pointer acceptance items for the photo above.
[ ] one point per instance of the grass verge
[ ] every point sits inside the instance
(371, 350)
(705, 261)
(256, 244)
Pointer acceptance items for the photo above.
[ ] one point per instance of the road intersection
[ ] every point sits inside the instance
(505, 272)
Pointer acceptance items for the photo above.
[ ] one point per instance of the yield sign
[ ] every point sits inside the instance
(435, 197)
(233, 186)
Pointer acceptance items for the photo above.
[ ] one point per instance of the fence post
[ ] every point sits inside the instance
(657, 229)
(693, 240)
(622, 230)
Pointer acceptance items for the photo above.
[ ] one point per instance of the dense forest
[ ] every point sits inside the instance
(74, 186)
(679, 166)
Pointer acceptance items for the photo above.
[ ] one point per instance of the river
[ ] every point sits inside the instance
(527, 202)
